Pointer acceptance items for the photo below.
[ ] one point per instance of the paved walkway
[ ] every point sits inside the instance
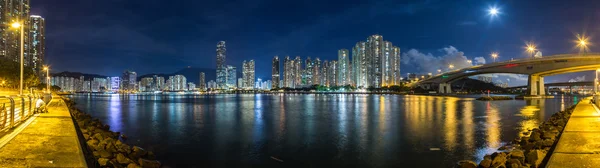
(50, 140)
(579, 144)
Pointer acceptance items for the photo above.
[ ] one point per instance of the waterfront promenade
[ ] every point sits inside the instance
(579, 144)
(45, 140)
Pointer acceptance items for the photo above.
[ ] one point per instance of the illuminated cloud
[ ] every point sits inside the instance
(428, 63)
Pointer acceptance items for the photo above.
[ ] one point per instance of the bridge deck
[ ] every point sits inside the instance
(48, 140)
(579, 144)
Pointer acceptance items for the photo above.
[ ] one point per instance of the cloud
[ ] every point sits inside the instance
(479, 60)
(578, 79)
(428, 63)
(467, 23)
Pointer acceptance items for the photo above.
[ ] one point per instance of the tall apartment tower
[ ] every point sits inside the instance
(231, 78)
(221, 67)
(202, 81)
(316, 71)
(298, 72)
(343, 68)
(288, 72)
(308, 72)
(360, 65)
(36, 44)
(12, 11)
(275, 72)
(248, 74)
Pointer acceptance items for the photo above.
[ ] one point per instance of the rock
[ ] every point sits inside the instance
(96, 154)
(561, 122)
(528, 146)
(115, 164)
(466, 164)
(499, 159)
(485, 163)
(105, 154)
(98, 137)
(518, 154)
(139, 150)
(121, 159)
(149, 163)
(549, 135)
(535, 136)
(103, 161)
(535, 157)
(505, 147)
(547, 143)
(151, 155)
(132, 165)
(92, 143)
(512, 162)
(86, 136)
(123, 136)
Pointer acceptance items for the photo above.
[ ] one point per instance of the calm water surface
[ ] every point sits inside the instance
(317, 130)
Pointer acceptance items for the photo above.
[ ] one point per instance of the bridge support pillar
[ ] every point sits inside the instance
(535, 85)
(445, 88)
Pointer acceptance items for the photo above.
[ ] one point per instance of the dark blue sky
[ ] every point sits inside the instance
(151, 36)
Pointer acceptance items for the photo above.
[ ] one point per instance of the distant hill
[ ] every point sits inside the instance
(192, 74)
(78, 74)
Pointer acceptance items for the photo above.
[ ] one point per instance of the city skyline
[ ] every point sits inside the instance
(470, 31)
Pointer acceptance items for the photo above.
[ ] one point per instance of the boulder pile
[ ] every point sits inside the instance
(107, 148)
(530, 149)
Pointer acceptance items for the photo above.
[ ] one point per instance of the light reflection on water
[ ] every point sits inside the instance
(317, 130)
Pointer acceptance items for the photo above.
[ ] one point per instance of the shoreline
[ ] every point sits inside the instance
(529, 149)
(106, 148)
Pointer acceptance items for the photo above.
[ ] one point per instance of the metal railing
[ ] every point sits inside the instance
(16, 109)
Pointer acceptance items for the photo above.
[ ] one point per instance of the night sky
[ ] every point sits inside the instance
(150, 36)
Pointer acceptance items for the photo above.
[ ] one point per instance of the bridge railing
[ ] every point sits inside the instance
(14, 110)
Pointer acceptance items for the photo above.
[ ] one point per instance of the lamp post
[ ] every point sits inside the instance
(494, 56)
(596, 81)
(47, 78)
(19, 25)
(582, 43)
(531, 48)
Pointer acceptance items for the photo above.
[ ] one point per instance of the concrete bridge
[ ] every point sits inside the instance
(535, 68)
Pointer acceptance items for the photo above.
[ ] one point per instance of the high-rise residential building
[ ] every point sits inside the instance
(288, 72)
(160, 82)
(248, 74)
(375, 63)
(176, 83)
(36, 44)
(129, 81)
(231, 77)
(221, 67)
(374, 54)
(396, 75)
(325, 74)
(275, 72)
(202, 81)
(240, 83)
(211, 84)
(307, 78)
(191, 86)
(10, 42)
(298, 72)
(316, 71)
(146, 84)
(115, 83)
(360, 65)
(333, 74)
(343, 69)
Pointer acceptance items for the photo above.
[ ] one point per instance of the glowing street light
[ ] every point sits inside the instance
(531, 48)
(47, 69)
(582, 43)
(494, 56)
(19, 25)
(469, 61)
(451, 66)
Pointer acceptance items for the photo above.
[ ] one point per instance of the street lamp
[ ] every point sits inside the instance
(494, 56)
(19, 25)
(582, 43)
(47, 78)
(596, 81)
(531, 48)
(451, 66)
(469, 61)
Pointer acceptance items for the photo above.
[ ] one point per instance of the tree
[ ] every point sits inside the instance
(10, 75)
